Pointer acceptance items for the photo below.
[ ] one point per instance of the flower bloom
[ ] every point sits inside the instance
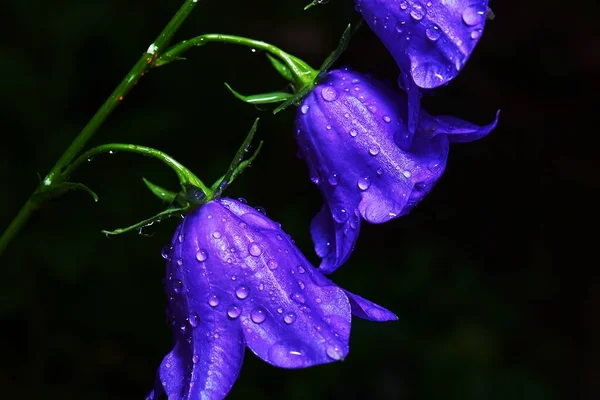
(430, 40)
(235, 279)
(352, 132)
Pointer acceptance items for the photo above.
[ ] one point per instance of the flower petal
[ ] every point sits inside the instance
(334, 234)
(365, 309)
(430, 40)
(460, 131)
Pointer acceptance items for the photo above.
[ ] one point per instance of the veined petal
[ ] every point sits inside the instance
(334, 233)
(365, 309)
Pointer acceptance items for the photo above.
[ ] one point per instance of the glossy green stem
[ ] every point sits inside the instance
(132, 77)
(185, 175)
(301, 72)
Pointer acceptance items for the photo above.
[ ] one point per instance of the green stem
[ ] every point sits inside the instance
(185, 175)
(301, 72)
(132, 77)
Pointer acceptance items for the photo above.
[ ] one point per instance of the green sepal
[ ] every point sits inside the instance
(339, 50)
(296, 99)
(165, 195)
(315, 3)
(280, 67)
(168, 213)
(265, 98)
(228, 178)
(60, 188)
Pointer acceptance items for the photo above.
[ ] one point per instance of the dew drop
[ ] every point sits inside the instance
(329, 93)
(289, 318)
(272, 264)
(180, 261)
(400, 26)
(387, 118)
(180, 238)
(233, 312)
(433, 166)
(328, 127)
(364, 183)
(280, 310)
(339, 213)
(301, 269)
(254, 249)
(403, 5)
(194, 320)
(304, 109)
(333, 179)
(353, 132)
(258, 315)
(472, 16)
(195, 358)
(433, 33)
(216, 234)
(261, 286)
(242, 292)
(298, 298)
(213, 300)
(166, 252)
(428, 75)
(417, 11)
(374, 150)
(201, 255)
(301, 284)
(475, 34)
(406, 174)
(177, 286)
(379, 171)
(334, 352)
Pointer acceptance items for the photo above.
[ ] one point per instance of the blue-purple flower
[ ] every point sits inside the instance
(352, 132)
(430, 40)
(235, 279)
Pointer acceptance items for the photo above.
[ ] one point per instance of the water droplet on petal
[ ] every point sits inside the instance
(242, 292)
(353, 132)
(475, 34)
(406, 174)
(213, 300)
(374, 150)
(272, 264)
(339, 213)
(280, 310)
(201, 255)
(364, 183)
(298, 298)
(428, 75)
(261, 286)
(304, 109)
(180, 261)
(301, 284)
(329, 93)
(387, 118)
(166, 252)
(233, 312)
(301, 269)
(433, 32)
(403, 5)
(195, 358)
(181, 237)
(216, 234)
(289, 318)
(287, 356)
(177, 286)
(334, 352)
(333, 179)
(433, 166)
(194, 320)
(417, 11)
(254, 249)
(472, 16)
(258, 315)
(379, 171)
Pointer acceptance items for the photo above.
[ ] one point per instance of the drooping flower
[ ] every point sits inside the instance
(430, 40)
(235, 279)
(352, 132)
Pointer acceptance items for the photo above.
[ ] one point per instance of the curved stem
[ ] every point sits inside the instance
(132, 77)
(185, 175)
(301, 72)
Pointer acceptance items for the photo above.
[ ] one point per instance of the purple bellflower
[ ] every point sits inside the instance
(235, 279)
(430, 40)
(352, 132)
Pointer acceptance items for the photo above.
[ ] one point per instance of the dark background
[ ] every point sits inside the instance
(488, 275)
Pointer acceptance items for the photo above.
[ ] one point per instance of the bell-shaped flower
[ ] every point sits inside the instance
(352, 132)
(430, 40)
(234, 279)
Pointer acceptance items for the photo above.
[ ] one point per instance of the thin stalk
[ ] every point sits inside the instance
(130, 80)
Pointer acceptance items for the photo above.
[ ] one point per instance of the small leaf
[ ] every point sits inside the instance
(280, 67)
(163, 194)
(264, 98)
(168, 213)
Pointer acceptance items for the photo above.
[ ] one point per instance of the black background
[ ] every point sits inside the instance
(488, 275)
